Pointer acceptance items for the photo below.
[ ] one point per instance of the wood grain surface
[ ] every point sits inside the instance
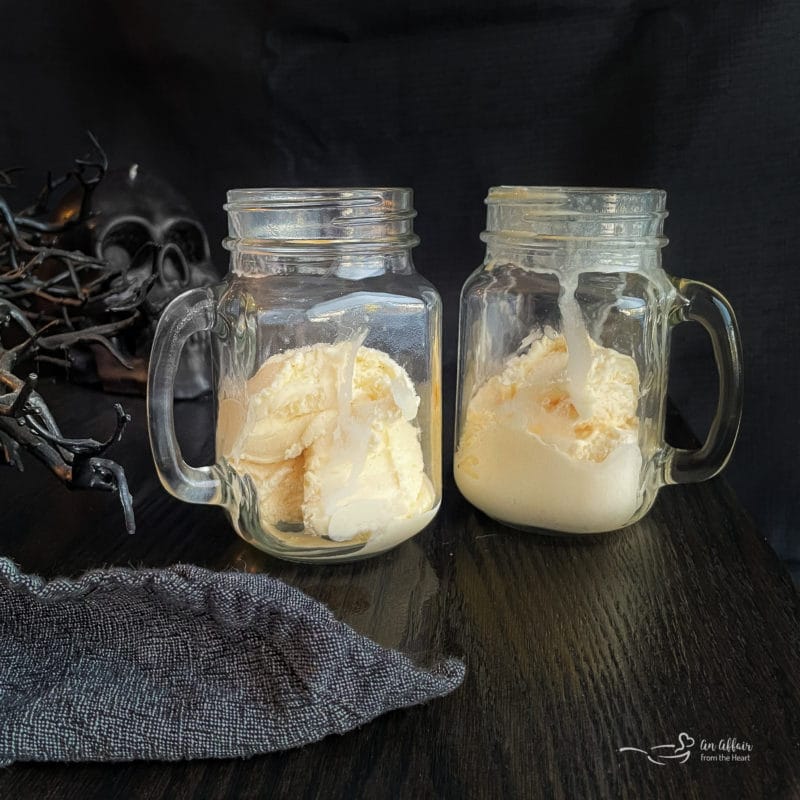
(685, 622)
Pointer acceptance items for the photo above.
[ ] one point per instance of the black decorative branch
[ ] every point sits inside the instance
(53, 300)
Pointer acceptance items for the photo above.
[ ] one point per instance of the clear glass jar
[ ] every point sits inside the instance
(326, 347)
(563, 360)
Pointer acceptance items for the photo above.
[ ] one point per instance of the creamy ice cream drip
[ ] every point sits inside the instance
(327, 434)
(552, 440)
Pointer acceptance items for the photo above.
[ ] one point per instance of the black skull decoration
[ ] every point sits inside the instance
(138, 223)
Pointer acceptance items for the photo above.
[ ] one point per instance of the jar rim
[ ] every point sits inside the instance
(610, 196)
(581, 216)
(399, 197)
(353, 218)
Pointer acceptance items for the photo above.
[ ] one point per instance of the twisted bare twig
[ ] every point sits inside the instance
(79, 299)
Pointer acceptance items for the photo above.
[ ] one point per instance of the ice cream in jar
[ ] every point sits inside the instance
(564, 356)
(555, 440)
(328, 435)
(325, 347)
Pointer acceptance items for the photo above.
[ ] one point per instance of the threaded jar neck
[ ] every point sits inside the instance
(575, 218)
(312, 221)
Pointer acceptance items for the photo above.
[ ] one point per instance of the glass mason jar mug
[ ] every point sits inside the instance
(326, 351)
(563, 360)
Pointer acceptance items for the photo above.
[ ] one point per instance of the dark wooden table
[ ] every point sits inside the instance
(683, 623)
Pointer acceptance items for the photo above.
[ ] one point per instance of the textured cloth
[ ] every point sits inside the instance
(185, 663)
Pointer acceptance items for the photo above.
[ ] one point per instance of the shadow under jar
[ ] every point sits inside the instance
(563, 360)
(326, 348)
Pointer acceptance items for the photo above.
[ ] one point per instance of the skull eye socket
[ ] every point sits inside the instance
(189, 238)
(122, 241)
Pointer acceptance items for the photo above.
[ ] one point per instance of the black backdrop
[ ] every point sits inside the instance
(449, 97)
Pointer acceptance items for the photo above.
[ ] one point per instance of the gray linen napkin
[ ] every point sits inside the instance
(185, 663)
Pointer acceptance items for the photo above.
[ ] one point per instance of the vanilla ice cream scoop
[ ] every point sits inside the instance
(528, 457)
(327, 434)
(354, 485)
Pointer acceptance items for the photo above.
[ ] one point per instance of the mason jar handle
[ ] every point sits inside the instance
(189, 313)
(701, 303)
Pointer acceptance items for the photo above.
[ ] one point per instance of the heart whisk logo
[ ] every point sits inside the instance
(663, 754)
(726, 750)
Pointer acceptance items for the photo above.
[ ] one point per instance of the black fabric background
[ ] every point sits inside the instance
(699, 98)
